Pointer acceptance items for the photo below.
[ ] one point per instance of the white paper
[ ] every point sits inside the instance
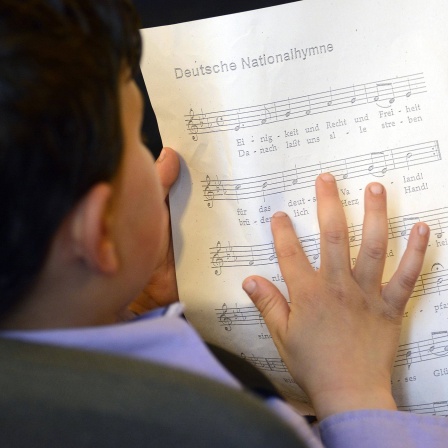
(258, 104)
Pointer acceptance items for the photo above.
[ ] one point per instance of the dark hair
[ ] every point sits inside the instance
(61, 62)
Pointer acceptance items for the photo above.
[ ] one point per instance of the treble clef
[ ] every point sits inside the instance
(224, 319)
(217, 260)
(192, 127)
(208, 192)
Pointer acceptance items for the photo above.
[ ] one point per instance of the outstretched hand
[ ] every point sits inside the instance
(162, 287)
(339, 334)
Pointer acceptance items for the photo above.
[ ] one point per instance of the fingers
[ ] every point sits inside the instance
(334, 248)
(369, 266)
(294, 266)
(270, 302)
(398, 290)
(167, 166)
(293, 262)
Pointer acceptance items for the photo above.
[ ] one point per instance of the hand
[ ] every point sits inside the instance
(339, 334)
(162, 288)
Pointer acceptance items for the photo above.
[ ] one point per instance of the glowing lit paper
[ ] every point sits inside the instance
(258, 104)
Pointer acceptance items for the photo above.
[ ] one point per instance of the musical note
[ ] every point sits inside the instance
(433, 281)
(436, 150)
(409, 353)
(295, 181)
(273, 256)
(345, 173)
(439, 348)
(308, 111)
(439, 283)
(399, 227)
(383, 93)
(312, 250)
(354, 95)
(288, 112)
(252, 260)
(268, 112)
(238, 126)
(237, 189)
(439, 232)
(375, 163)
(263, 188)
(408, 157)
(387, 92)
(268, 364)
(351, 233)
(267, 115)
(408, 223)
(377, 96)
(378, 168)
(421, 351)
(409, 358)
(330, 101)
(435, 408)
(409, 92)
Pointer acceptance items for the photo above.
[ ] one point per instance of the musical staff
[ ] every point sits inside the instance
(426, 350)
(247, 315)
(263, 254)
(421, 351)
(376, 164)
(383, 93)
(436, 408)
(268, 364)
(434, 282)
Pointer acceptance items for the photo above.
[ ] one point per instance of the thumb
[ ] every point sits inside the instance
(270, 302)
(167, 166)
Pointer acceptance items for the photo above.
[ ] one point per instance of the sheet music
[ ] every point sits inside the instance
(258, 104)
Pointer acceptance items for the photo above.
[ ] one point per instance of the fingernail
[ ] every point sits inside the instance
(376, 188)
(422, 229)
(279, 215)
(161, 155)
(327, 177)
(249, 286)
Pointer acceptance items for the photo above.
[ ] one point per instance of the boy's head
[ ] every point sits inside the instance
(65, 81)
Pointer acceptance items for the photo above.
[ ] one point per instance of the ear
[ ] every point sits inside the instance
(91, 232)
